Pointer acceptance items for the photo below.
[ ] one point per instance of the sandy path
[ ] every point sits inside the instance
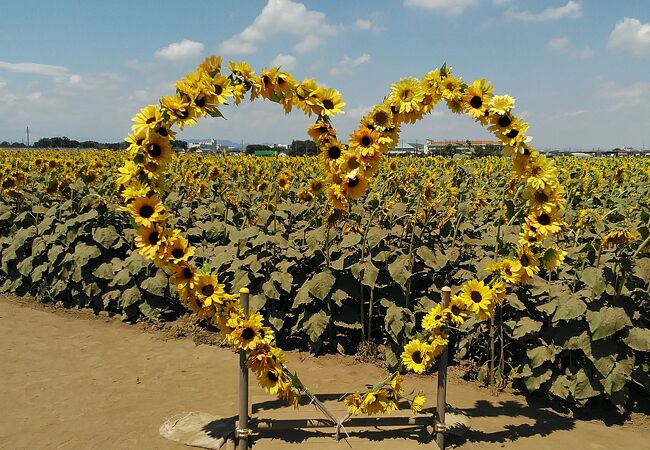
(74, 381)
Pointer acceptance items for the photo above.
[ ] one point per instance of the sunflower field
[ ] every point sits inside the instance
(578, 331)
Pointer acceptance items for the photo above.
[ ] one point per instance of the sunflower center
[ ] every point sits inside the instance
(381, 118)
(437, 317)
(162, 131)
(154, 238)
(541, 197)
(406, 94)
(146, 211)
(476, 296)
(248, 333)
(328, 104)
(504, 121)
(544, 219)
(272, 376)
(417, 357)
(178, 253)
(150, 120)
(322, 129)
(512, 133)
(265, 80)
(181, 113)
(455, 310)
(525, 262)
(155, 151)
(352, 182)
(476, 102)
(218, 89)
(187, 273)
(366, 141)
(200, 102)
(207, 290)
(334, 152)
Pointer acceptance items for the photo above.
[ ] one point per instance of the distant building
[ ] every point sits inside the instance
(432, 147)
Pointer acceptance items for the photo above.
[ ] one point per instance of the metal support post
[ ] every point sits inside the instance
(242, 432)
(442, 382)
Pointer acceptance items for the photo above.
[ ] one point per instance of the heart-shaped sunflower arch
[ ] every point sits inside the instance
(350, 168)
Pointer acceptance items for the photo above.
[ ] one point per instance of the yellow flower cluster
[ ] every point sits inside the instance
(536, 175)
(382, 398)
(140, 182)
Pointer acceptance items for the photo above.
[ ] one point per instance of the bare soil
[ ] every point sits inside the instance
(70, 379)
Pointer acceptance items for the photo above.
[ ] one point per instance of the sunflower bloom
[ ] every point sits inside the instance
(478, 298)
(417, 356)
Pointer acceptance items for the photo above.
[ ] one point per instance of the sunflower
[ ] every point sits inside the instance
(180, 110)
(178, 249)
(336, 197)
(550, 197)
(507, 274)
(376, 402)
(381, 117)
(417, 356)
(316, 186)
(329, 101)
(365, 142)
(478, 298)
(321, 132)
(354, 184)
(540, 173)
(406, 95)
(435, 319)
(498, 292)
(184, 275)
(157, 149)
(150, 241)
(209, 291)
(284, 181)
(147, 211)
(265, 357)
(307, 100)
(249, 333)
(331, 152)
(273, 380)
(418, 403)
(476, 98)
(617, 238)
(354, 403)
(543, 223)
(147, 118)
(457, 310)
(222, 88)
(553, 258)
(211, 65)
(526, 264)
(501, 105)
(268, 79)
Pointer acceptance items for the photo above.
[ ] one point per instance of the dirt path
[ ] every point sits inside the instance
(72, 380)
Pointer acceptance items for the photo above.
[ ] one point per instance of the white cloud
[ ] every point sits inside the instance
(347, 64)
(176, 51)
(561, 45)
(626, 96)
(34, 69)
(572, 10)
(287, 62)
(632, 36)
(282, 17)
(501, 2)
(558, 43)
(363, 24)
(451, 7)
(358, 112)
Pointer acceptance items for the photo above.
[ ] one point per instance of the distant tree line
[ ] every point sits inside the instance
(65, 142)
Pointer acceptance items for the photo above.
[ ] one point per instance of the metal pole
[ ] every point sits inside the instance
(243, 433)
(442, 382)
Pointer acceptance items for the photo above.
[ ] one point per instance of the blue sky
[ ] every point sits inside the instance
(579, 69)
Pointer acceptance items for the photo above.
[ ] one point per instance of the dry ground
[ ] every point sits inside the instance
(73, 380)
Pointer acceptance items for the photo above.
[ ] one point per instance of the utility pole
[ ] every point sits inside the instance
(28, 137)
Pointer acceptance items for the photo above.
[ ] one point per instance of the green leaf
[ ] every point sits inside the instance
(607, 321)
(399, 271)
(620, 374)
(540, 355)
(316, 324)
(568, 309)
(593, 277)
(561, 387)
(351, 240)
(526, 326)
(105, 271)
(105, 237)
(84, 253)
(157, 284)
(534, 382)
(584, 388)
(638, 339)
(319, 286)
(130, 297)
